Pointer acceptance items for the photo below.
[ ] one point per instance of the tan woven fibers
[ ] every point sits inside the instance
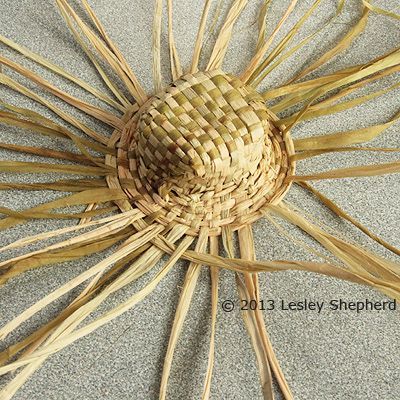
(205, 151)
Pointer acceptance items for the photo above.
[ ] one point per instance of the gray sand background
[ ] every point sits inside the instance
(333, 355)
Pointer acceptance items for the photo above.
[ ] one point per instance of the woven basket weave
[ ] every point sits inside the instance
(205, 152)
(186, 166)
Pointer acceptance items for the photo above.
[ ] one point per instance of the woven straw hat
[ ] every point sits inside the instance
(181, 173)
(205, 152)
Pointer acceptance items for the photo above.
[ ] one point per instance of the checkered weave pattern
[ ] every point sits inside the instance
(205, 152)
(206, 130)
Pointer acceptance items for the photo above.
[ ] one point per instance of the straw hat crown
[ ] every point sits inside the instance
(208, 130)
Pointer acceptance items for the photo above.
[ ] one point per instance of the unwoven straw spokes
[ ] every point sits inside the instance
(187, 165)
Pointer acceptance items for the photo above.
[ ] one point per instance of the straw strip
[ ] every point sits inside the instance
(120, 68)
(301, 243)
(262, 22)
(73, 185)
(84, 158)
(106, 230)
(96, 284)
(334, 140)
(200, 37)
(318, 110)
(30, 167)
(339, 48)
(258, 346)
(342, 214)
(66, 338)
(81, 105)
(252, 292)
(44, 215)
(85, 197)
(314, 153)
(379, 10)
(46, 128)
(110, 43)
(356, 258)
(157, 78)
(49, 153)
(176, 68)
(214, 274)
(354, 86)
(60, 256)
(225, 34)
(138, 240)
(255, 62)
(385, 62)
(249, 292)
(294, 89)
(66, 328)
(353, 172)
(4, 79)
(240, 265)
(188, 288)
(263, 70)
(103, 74)
(59, 71)
(58, 232)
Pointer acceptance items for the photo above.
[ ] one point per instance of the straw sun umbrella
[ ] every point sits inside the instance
(182, 172)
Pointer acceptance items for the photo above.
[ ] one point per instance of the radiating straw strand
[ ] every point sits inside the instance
(214, 275)
(200, 37)
(225, 34)
(176, 69)
(72, 185)
(30, 343)
(303, 155)
(254, 63)
(59, 232)
(318, 110)
(348, 138)
(342, 45)
(36, 123)
(113, 47)
(92, 57)
(248, 292)
(120, 68)
(379, 10)
(141, 238)
(255, 76)
(107, 229)
(4, 79)
(59, 71)
(188, 288)
(81, 105)
(157, 78)
(300, 89)
(49, 153)
(82, 198)
(262, 22)
(352, 172)
(264, 368)
(247, 251)
(356, 258)
(72, 253)
(387, 61)
(265, 68)
(62, 340)
(342, 214)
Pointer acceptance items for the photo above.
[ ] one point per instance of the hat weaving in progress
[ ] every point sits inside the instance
(182, 173)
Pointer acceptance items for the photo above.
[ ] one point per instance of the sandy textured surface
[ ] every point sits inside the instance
(329, 356)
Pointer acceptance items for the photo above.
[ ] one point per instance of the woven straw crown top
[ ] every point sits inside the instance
(205, 151)
(205, 131)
